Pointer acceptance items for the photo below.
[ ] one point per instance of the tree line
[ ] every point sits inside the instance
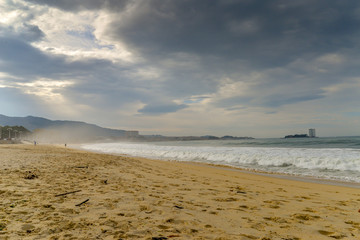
(10, 132)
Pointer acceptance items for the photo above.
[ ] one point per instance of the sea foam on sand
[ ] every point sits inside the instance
(72, 194)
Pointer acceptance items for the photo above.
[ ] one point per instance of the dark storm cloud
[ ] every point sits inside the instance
(32, 33)
(234, 38)
(265, 33)
(26, 32)
(79, 5)
(19, 58)
(195, 45)
(96, 82)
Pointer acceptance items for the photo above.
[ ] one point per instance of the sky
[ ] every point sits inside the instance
(254, 68)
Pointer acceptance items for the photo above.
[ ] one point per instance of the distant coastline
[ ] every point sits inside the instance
(297, 136)
(187, 138)
(64, 131)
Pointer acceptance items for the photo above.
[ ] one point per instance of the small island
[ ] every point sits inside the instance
(312, 134)
(297, 136)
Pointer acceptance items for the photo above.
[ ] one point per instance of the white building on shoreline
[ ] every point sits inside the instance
(312, 132)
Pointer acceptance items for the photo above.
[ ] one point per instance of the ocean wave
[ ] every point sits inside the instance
(306, 158)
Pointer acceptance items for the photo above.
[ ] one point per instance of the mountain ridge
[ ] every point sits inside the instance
(60, 128)
(34, 122)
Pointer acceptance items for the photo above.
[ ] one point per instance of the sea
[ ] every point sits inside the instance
(335, 158)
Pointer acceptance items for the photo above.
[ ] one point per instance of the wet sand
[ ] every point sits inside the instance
(49, 192)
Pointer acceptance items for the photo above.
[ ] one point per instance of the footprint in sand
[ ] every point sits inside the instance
(305, 217)
(309, 210)
(332, 234)
(276, 219)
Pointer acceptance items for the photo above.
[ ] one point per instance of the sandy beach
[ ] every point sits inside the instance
(53, 192)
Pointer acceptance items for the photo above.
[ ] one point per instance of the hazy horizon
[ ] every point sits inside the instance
(262, 69)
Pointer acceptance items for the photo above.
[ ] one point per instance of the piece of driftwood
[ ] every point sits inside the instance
(63, 194)
(82, 202)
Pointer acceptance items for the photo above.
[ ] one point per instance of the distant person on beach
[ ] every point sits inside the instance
(34, 143)
(65, 144)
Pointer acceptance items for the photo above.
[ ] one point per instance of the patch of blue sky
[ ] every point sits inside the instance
(194, 100)
(89, 36)
(189, 101)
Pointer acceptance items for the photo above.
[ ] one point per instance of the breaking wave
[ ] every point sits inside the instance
(329, 163)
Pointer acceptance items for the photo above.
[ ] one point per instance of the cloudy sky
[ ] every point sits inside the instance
(185, 67)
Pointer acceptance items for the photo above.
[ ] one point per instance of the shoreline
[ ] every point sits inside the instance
(302, 178)
(292, 177)
(53, 192)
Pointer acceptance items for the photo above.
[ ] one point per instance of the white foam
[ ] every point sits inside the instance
(328, 163)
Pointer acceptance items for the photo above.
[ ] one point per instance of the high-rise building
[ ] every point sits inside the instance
(312, 132)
